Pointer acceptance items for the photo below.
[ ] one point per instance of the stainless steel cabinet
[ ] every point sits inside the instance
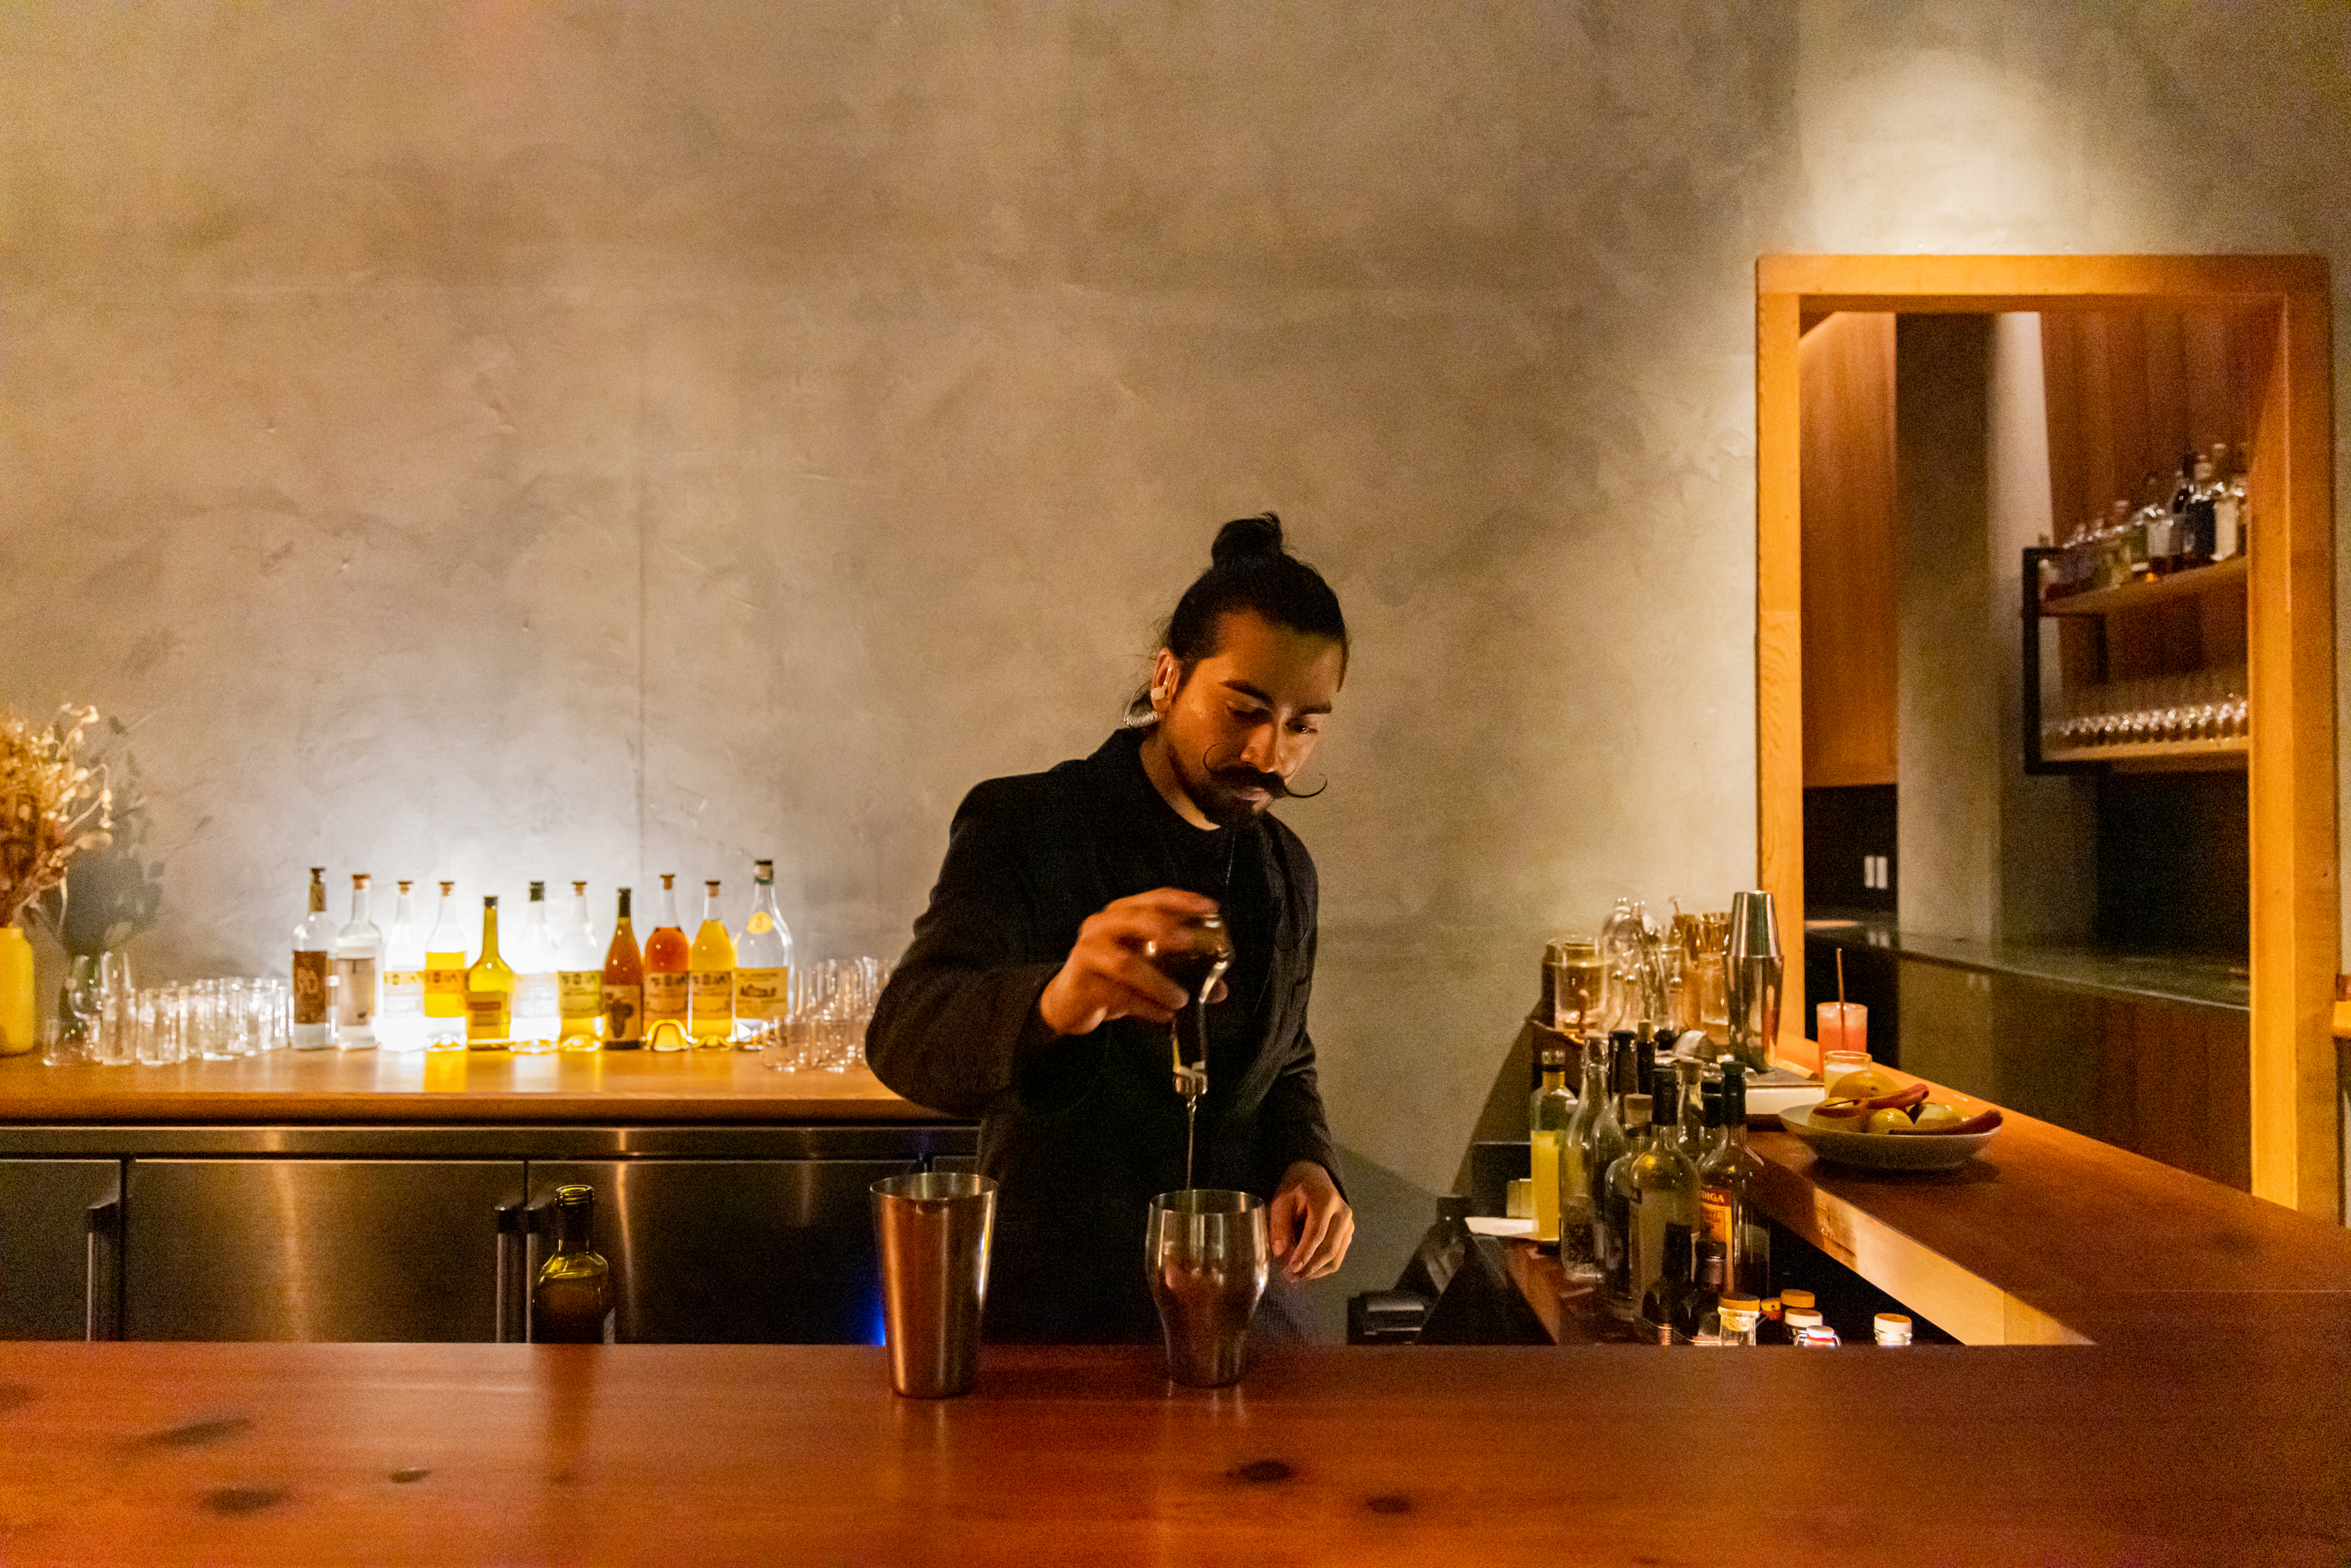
(314, 1248)
(733, 1251)
(58, 1231)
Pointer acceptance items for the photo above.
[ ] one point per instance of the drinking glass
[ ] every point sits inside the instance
(207, 1039)
(61, 1046)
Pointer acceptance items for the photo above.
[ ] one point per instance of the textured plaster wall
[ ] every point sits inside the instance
(503, 441)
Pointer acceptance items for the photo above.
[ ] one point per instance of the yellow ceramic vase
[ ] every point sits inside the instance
(17, 1033)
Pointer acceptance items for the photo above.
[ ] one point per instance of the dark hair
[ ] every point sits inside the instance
(1249, 570)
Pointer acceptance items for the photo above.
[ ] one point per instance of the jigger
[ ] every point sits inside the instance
(1209, 1254)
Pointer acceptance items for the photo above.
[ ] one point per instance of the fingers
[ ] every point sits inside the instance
(1281, 1218)
(1312, 1221)
(1337, 1236)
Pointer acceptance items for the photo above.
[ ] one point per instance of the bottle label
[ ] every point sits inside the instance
(760, 994)
(579, 993)
(758, 925)
(535, 995)
(713, 991)
(444, 992)
(1714, 1219)
(309, 988)
(665, 998)
(624, 1013)
(486, 1015)
(404, 992)
(355, 992)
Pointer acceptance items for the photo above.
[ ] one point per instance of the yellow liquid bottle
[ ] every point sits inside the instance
(711, 976)
(445, 977)
(489, 990)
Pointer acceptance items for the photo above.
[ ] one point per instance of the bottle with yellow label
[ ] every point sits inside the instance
(711, 976)
(445, 977)
(578, 975)
(314, 943)
(669, 961)
(763, 957)
(489, 990)
(624, 984)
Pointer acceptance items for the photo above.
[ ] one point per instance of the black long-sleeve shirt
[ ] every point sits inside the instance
(1082, 1132)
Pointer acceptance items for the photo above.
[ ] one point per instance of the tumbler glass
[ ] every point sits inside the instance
(1209, 1255)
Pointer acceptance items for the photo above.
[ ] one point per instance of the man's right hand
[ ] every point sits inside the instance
(1108, 974)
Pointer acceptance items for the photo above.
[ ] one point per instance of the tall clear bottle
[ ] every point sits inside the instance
(314, 947)
(763, 957)
(2228, 506)
(1592, 1136)
(445, 977)
(2153, 518)
(358, 966)
(489, 990)
(400, 1025)
(623, 984)
(1548, 1115)
(1616, 1212)
(1731, 1224)
(531, 953)
(669, 967)
(710, 976)
(578, 975)
(1662, 1202)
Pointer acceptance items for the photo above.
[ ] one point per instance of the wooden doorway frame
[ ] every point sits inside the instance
(2290, 632)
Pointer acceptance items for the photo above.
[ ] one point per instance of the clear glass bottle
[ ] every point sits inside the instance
(1620, 965)
(578, 975)
(763, 957)
(358, 968)
(1740, 1316)
(489, 990)
(2153, 518)
(400, 1025)
(624, 984)
(445, 977)
(1616, 1212)
(710, 976)
(1891, 1330)
(2228, 506)
(530, 950)
(669, 966)
(1548, 1115)
(1687, 1085)
(314, 946)
(1585, 1142)
(2239, 479)
(1661, 1198)
(1732, 1229)
(1669, 1306)
(571, 1299)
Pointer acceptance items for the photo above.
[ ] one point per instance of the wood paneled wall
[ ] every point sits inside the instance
(2131, 390)
(1848, 413)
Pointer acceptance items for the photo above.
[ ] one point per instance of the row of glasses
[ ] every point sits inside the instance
(823, 1028)
(196, 1020)
(2207, 705)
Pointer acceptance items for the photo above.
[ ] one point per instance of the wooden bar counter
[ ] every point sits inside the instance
(324, 1453)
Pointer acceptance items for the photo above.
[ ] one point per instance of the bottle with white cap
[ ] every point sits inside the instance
(1805, 1327)
(1892, 1329)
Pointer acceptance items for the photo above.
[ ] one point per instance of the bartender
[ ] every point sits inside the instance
(1029, 1000)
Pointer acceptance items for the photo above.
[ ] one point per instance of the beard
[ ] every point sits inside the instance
(1231, 794)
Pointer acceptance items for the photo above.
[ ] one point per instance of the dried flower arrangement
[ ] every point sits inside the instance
(53, 805)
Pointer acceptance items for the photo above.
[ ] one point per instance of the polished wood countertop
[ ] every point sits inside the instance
(325, 1454)
(436, 1087)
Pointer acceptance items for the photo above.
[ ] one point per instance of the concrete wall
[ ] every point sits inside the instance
(501, 440)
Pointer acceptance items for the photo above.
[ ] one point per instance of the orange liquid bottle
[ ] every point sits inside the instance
(624, 986)
(669, 964)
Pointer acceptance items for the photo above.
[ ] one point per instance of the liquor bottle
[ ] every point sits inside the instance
(1667, 1305)
(710, 986)
(2228, 506)
(1616, 1212)
(445, 977)
(2154, 518)
(578, 975)
(1691, 1131)
(2205, 490)
(669, 963)
(1732, 1229)
(623, 985)
(359, 961)
(763, 958)
(1592, 1140)
(1547, 1118)
(2123, 525)
(314, 942)
(1710, 1098)
(536, 1016)
(1661, 1196)
(571, 1299)
(400, 1025)
(489, 988)
(2240, 478)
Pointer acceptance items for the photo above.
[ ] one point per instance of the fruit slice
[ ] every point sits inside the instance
(1840, 1112)
(1934, 1114)
(1981, 1122)
(1890, 1122)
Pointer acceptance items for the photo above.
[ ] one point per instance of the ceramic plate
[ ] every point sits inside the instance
(1886, 1151)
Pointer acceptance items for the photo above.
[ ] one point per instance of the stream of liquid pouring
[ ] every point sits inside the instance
(1191, 1120)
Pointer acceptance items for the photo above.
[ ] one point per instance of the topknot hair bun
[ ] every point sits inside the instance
(1246, 537)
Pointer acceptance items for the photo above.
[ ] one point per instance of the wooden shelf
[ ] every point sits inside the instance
(2149, 590)
(2234, 750)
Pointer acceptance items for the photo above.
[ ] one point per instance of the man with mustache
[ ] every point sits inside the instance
(1029, 998)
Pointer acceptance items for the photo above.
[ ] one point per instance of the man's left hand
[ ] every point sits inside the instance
(1311, 1224)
